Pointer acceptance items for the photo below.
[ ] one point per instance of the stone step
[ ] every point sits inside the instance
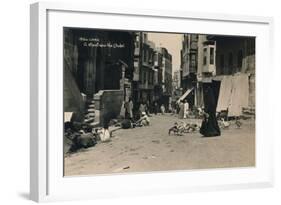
(90, 120)
(94, 124)
(91, 110)
(91, 106)
(90, 115)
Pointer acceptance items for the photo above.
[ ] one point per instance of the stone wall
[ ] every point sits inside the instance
(72, 98)
(108, 104)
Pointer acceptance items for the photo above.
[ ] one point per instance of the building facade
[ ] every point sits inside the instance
(147, 71)
(152, 78)
(94, 61)
(99, 64)
(236, 56)
(190, 66)
(226, 63)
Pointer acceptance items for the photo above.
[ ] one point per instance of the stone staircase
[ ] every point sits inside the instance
(90, 112)
(90, 115)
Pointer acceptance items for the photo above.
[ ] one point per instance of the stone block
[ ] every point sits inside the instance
(107, 105)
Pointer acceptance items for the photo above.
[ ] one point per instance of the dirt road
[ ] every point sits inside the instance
(152, 149)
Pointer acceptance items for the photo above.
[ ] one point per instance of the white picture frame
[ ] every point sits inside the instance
(46, 177)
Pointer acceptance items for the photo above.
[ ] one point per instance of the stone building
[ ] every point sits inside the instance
(235, 65)
(167, 68)
(177, 90)
(162, 78)
(190, 55)
(147, 71)
(152, 80)
(143, 75)
(96, 62)
(226, 63)
(158, 75)
(138, 45)
(176, 79)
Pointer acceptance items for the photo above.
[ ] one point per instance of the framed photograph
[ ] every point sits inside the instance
(133, 102)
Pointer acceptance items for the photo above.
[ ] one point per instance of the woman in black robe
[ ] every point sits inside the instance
(209, 126)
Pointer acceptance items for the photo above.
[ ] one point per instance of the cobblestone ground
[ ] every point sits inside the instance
(152, 149)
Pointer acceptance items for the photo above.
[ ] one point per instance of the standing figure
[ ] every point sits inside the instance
(162, 109)
(209, 126)
(155, 107)
(127, 112)
(147, 108)
(185, 109)
(181, 112)
(130, 108)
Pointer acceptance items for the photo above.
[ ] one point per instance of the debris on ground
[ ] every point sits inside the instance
(156, 141)
(183, 127)
(226, 124)
(75, 140)
(238, 123)
(223, 124)
(121, 169)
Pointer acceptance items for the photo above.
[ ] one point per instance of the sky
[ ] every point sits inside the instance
(172, 42)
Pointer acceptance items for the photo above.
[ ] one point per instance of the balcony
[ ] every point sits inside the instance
(209, 56)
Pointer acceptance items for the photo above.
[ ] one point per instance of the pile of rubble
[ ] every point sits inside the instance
(78, 135)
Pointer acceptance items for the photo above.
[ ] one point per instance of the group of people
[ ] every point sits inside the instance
(140, 112)
(209, 126)
(135, 110)
(140, 118)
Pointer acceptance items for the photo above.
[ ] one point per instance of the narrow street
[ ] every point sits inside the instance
(152, 149)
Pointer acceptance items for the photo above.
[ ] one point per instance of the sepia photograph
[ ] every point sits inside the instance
(139, 101)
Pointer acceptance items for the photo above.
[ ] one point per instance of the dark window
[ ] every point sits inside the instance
(205, 56)
(212, 56)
